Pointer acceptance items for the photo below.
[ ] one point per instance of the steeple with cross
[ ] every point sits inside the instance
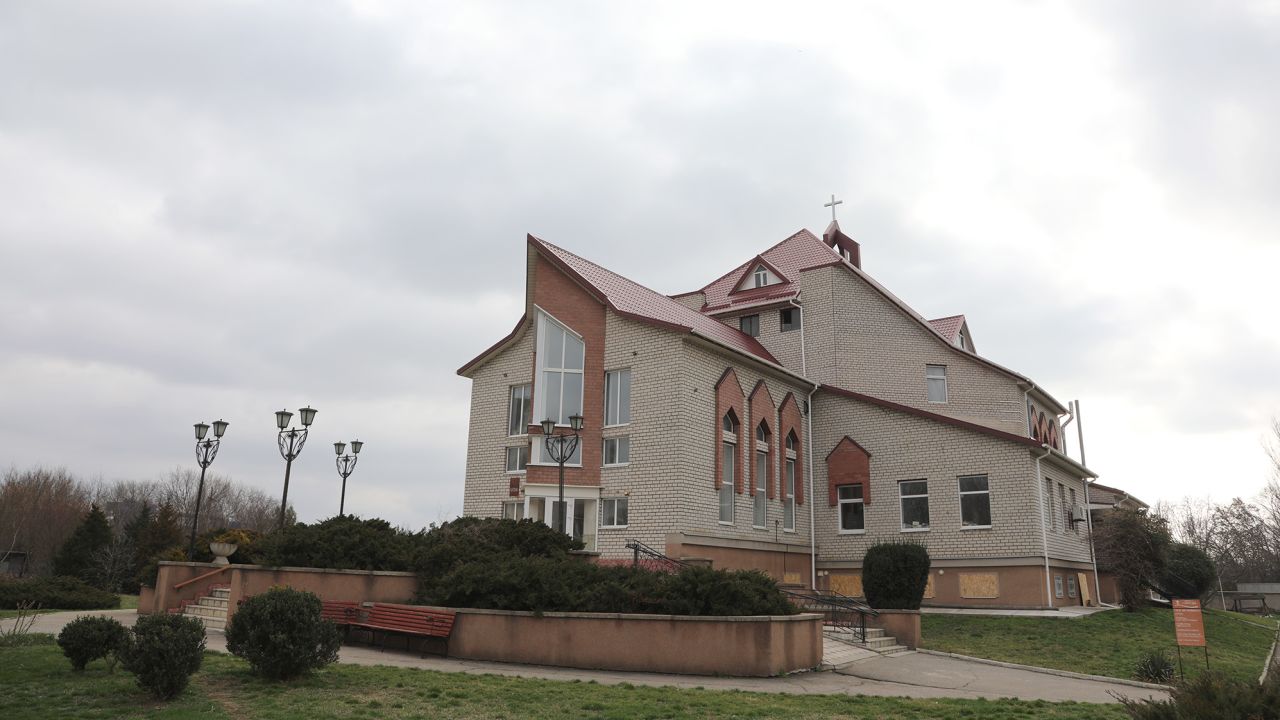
(834, 202)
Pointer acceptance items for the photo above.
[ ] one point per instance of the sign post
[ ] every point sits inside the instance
(1188, 627)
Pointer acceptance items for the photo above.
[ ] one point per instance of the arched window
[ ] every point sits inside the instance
(760, 475)
(728, 464)
(789, 482)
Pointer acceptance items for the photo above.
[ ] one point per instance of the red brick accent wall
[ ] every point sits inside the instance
(848, 464)
(729, 396)
(568, 302)
(789, 421)
(762, 410)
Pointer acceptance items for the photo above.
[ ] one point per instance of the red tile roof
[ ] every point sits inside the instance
(631, 299)
(801, 251)
(948, 327)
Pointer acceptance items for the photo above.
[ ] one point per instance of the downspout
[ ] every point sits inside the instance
(1088, 512)
(808, 416)
(1044, 535)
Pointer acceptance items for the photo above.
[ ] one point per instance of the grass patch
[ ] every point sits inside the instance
(127, 602)
(37, 682)
(7, 614)
(1107, 643)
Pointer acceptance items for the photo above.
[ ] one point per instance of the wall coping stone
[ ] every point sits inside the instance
(801, 617)
(270, 568)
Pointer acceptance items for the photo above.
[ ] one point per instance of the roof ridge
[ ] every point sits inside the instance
(760, 255)
(947, 317)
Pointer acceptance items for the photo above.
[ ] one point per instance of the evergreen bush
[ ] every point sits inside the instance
(344, 542)
(282, 635)
(1187, 573)
(91, 637)
(894, 575)
(1155, 666)
(163, 651)
(61, 593)
(1211, 696)
(75, 557)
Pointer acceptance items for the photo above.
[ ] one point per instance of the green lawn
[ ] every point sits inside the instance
(127, 602)
(37, 682)
(1108, 643)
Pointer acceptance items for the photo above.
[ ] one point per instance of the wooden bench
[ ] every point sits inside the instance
(408, 620)
(340, 612)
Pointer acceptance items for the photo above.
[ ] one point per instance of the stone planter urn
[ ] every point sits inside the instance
(222, 551)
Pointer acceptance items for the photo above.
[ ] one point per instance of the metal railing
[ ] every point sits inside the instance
(638, 549)
(838, 611)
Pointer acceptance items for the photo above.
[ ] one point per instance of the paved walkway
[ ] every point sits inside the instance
(910, 674)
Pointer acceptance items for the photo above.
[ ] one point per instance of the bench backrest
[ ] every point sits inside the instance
(410, 618)
(340, 611)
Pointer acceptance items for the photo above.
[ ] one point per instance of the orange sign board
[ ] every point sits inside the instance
(1188, 623)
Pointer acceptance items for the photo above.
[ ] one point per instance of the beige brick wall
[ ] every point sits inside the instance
(785, 346)
(486, 482)
(906, 447)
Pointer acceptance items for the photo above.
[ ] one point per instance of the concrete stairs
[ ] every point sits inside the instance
(876, 640)
(210, 609)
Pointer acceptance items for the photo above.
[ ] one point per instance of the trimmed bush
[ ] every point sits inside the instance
(343, 542)
(1187, 573)
(1211, 696)
(1155, 666)
(60, 593)
(281, 634)
(163, 651)
(894, 575)
(704, 591)
(90, 638)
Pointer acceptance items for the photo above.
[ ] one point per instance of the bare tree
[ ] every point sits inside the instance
(39, 509)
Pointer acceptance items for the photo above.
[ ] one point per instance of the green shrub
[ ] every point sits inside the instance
(704, 591)
(1155, 666)
(61, 593)
(894, 575)
(91, 637)
(1187, 573)
(1211, 696)
(163, 651)
(281, 634)
(343, 542)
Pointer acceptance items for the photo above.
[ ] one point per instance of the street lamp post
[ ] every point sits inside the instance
(290, 442)
(560, 447)
(346, 465)
(206, 451)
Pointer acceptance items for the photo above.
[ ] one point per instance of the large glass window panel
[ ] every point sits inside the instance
(521, 411)
(617, 397)
(553, 345)
(572, 398)
(573, 352)
(728, 458)
(551, 395)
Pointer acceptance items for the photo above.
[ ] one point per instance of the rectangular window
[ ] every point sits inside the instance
(1057, 585)
(614, 512)
(617, 450)
(520, 415)
(851, 516)
(789, 495)
(560, 360)
(975, 501)
(1062, 500)
(936, 378)
(513, 510)
(728, 456)
(617, 397)
(790, 319)
(1048, 505)
(517, 458)
(1071, 586)
(750, 324)
(1075, 526)
(760, 277)
(914, 495)
(760, 478)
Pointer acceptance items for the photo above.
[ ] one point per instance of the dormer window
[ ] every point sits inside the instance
(760, 277)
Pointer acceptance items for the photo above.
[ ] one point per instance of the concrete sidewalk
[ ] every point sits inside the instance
(908, 675)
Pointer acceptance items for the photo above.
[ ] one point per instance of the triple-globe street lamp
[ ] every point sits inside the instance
(290, 442)
(206, 451)
(560, 447)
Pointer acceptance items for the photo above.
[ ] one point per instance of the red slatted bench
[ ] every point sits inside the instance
(407, 620)
(340, 612)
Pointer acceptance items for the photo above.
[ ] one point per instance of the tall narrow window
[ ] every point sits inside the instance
(789, 484)
(1048, 505)
(936, 378)
(750, 324)
(760, 477)
(975, 501)
(560, 361)
(1062, 500)
(914, 495)
(851, 517)
(728, 465)
(1075, 526)
(520, 415)
(617, 397)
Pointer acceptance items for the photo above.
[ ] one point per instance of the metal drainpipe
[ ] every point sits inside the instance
(808, 416)
(1088, 513)
(1044, 535)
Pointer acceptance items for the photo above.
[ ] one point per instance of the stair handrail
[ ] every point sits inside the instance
(638, 548)
(198, 578)
(835, 606)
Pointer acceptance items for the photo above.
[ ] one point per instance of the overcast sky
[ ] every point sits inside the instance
(219, 209)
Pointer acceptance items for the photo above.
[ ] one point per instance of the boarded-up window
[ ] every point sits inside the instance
(928, 588)
(979, 585)
(850, 585)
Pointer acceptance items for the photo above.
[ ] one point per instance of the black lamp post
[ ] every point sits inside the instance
(346, 465)
(290, 442)
(206, 451)
(560, 447)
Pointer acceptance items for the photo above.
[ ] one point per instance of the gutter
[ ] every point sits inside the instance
(1044, 534)
(808, 416)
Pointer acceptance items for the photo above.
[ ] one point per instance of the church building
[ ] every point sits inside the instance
(784, 417)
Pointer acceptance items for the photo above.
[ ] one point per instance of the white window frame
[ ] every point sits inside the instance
(789, 486)
(613, 397)
(962, 492)
(760, 480)
(841, 502)
(902, 522)
(539, 396)
(619, 441)
(1075, 526)
(728, 472)
(760, 277)
(931, 375)
(539, 447)
(519, 509)
(604, 514)
(525, 402)
(1051, 515)
(1057, 586)
(1062, 499)
(1072, 586)
(506, 459)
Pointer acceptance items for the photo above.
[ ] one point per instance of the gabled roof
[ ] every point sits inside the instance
(637, 302)
(1107, 495)
(750, 270)
(948, 327)
(800, 251)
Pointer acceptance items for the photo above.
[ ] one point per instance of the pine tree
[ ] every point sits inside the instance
(75, 557)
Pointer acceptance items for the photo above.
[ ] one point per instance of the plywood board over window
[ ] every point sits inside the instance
(979, 585)
(850, 585)
(928, 588)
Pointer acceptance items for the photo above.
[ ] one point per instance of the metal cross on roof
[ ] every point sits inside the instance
(834, 202)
